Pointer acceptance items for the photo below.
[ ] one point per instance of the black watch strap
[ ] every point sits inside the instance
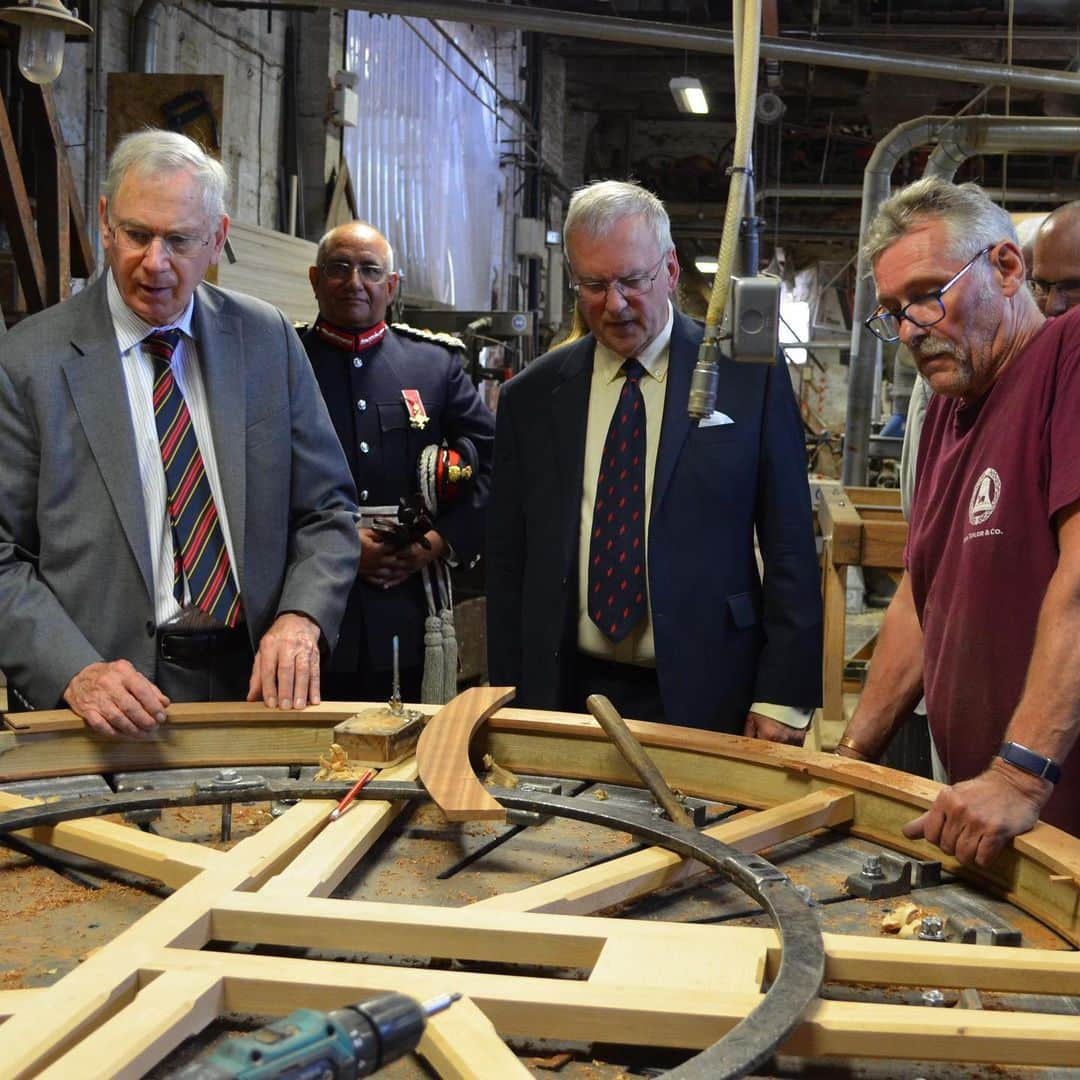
(1023, 758)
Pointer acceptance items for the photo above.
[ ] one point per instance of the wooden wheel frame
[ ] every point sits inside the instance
(656, 984)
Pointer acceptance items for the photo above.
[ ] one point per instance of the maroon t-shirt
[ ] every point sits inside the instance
(981, 547)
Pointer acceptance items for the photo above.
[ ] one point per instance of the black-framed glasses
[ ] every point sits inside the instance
(1068, 289)
(627, 287)
(923, 311)
(340, 270)
(134, 238)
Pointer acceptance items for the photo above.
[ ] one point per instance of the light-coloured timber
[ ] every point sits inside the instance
(462, 1044)
(615, 882)
(158, 857)
(442, 755)
(263, 891)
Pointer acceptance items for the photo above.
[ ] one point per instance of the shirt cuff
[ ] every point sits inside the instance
(792, 716)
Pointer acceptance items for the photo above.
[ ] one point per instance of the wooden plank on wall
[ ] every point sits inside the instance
(19, 219)
(272, 266)
(840, 522)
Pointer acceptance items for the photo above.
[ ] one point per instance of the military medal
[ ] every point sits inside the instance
(418, 416)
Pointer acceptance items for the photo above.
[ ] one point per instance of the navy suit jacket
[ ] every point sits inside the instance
(382, 448)
(724, 637)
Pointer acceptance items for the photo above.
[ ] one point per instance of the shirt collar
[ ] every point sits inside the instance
(653, 358)
(131, 328)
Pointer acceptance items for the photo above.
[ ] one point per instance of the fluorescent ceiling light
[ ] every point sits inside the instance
(707, 264)
(689, 94)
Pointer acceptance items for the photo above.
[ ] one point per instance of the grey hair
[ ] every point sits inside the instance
(972, 221)
(154, 151)
(327, 237)
(598, 207)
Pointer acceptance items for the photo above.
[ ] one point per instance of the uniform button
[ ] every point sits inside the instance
(357, 362)
(151, 629)
(364, 495)
(362, 405)
(364, 448)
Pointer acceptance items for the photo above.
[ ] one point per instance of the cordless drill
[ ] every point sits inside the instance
(343, 1044)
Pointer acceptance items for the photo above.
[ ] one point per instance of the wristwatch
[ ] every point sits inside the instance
(1023, 758)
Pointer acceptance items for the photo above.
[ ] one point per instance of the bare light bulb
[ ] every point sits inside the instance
(41, 52)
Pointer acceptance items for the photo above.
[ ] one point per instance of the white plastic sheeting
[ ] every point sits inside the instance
(424, 155)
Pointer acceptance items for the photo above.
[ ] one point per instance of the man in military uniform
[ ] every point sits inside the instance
(391, 391)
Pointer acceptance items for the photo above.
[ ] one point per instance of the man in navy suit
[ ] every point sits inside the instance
(714, 644)
(392, 391)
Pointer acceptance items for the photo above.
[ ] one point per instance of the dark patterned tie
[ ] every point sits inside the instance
(199, 549)
(617, 545)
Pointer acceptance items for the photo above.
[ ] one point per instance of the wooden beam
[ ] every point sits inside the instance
(329, 858)
(171, 861)
(51, 210)
(175, 1005)
(20, 219)
(598, 887)
(883, 544)
(443, 755)
(840, 522)
(462, 1044)
(834, 602)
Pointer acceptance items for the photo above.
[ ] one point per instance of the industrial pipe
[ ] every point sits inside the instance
(144, 34)
(971, 135)
(707, 40)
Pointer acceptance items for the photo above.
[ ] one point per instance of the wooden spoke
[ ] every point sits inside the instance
(531, 963)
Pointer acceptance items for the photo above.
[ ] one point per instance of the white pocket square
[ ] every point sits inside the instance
(715, 420)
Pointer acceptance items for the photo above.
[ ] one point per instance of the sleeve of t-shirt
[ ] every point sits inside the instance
(1064, 486)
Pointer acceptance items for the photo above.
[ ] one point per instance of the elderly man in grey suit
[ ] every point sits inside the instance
(176, 514)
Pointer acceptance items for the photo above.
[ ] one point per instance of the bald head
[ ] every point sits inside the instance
(353, 276)
(1056, 263)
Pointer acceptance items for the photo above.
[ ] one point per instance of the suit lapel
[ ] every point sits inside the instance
(220, 339)
(675, 427)
(98, 390)
(570, 414)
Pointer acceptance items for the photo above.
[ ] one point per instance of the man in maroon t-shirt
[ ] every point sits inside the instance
(987, 617)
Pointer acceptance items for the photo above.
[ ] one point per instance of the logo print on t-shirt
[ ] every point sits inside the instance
(985, 496)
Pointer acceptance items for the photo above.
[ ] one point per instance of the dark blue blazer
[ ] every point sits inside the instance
(724, 637)
(382, 448)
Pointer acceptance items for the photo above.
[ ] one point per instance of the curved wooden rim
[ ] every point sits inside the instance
(1039, 873)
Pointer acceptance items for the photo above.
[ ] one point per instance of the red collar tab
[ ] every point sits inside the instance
(348, 342)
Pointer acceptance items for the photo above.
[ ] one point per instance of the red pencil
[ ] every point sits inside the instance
(351, 794)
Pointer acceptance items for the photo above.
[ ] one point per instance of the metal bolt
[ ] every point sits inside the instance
(935, 999)
(871, 867)
(227, 776)
(932, 928)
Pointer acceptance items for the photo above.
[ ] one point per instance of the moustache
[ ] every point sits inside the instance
(932, 345)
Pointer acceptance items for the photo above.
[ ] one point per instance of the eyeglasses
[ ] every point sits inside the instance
(1068, 290)
(179, 245)
(923, 311)
(339, 270)
(627, 287)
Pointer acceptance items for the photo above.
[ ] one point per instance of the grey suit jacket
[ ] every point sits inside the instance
(75, 568)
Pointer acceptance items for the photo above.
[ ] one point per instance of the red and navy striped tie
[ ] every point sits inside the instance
(616, 601)
(200, 555)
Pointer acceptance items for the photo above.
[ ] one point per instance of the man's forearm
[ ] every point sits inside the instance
(894, 683)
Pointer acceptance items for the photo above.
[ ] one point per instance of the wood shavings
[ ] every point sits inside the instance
(600, 795)
(900, 917)
(337, 767)
(497, 775)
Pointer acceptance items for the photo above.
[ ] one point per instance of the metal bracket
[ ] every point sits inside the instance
(886, 875)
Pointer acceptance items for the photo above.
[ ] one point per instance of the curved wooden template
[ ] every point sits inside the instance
(442, 755)
(1039, 873)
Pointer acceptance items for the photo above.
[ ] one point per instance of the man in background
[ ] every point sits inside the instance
(397, 397)
(621, 533)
